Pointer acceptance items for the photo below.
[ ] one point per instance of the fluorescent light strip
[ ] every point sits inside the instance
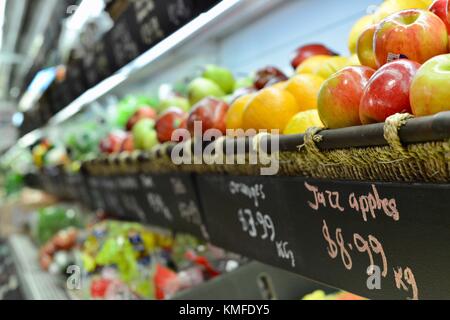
(2, 21)
(182, 34)
(143, 60)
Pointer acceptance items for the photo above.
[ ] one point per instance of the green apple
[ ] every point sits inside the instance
(429, 93)
(243, 83)
(175, 101)
(221, 76)
(144, 134)
(201, 88)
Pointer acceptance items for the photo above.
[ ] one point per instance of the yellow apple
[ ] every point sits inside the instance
(392, 6)
(354, 60)
(356, 31)
(322, 66)
(366, 53)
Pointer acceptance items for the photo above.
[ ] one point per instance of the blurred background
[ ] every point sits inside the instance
(41, 34)
(72, 75)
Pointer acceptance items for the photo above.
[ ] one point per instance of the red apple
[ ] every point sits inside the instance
(364, 48)
(340, 95)
(128, 143)
(387, 93)
(441, 8)
(113, 142)
(417, 35)
(141, 113)
(65, 239)
(168, 122)
(307, 51)
(45, 261)
(211, 112)
(263, 76)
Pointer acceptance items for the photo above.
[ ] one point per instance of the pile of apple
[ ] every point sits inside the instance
(150, 125)
(399, 63)
(405, 68)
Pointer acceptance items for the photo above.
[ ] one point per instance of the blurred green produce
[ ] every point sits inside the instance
(53, 219)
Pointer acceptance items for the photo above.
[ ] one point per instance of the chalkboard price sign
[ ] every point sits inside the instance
(378, 240)
(75, 78)
(245, 215)
(127, 188)
(96, 193)
(79, 189)
(89, 68)
(171, 201)
(103, 65)
(122, 42)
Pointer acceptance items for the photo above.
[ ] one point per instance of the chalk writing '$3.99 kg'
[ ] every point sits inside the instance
(404, 278)
(250, 223)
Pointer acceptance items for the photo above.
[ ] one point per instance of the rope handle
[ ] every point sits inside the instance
(310, 140)
(392, 126)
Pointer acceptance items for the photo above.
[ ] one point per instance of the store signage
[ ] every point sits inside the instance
(89, 68)
(379, 240)
(121, 41)
(103, 65)
(247, 216)
(170, 200)
(98, 202)
(145, 23)
(125, 189)
(78, 189)
(75, 79)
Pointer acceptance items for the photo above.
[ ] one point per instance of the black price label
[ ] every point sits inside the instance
(109, 194)
(103, 64)
(378, 240)
(89, 68)
(121, 41)
(245, 215)
(75, 78)
(171, 201)
(369, 239)
(95, 188)
(128, 188)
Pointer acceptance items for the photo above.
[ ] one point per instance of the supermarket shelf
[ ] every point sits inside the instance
(224, 18)
(328, 231)
(254, 281)
(333, 231)
(35, 283)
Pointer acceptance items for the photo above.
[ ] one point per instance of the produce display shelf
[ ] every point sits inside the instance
(35, 283)
(251, 281)
(362, 209)
(223, 18)
(327, 230)
(254, 281)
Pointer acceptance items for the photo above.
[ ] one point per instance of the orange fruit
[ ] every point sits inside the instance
(305, 88)
(270, 109)
(302, 121)
(233, 119)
